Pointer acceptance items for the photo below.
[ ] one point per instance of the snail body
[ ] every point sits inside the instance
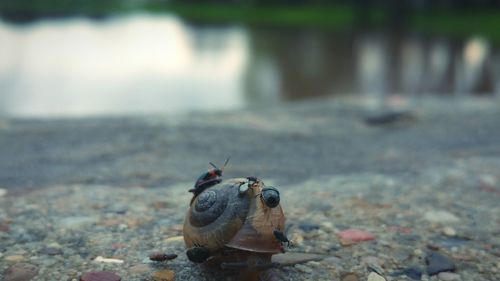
(233, 224)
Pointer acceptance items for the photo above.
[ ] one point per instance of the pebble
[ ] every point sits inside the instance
(375, 277)
(297, 239)
(158, 256)
(14, 258)
(437, 263)
(78, 221)
(100, 276)
(304, 268)
(440, 217)
(487, 180)
(308, 227)
(349, 277)
(3, 192)
(164, 275)
(376, 268)
(292, 258)
(20, 272)
(352, 236)
(418, 252)
(448, 276)
(174, 240)
(449, 231)
(107, 260)
(373, 260)
(414, 273)
(139, 269)
(51, 251)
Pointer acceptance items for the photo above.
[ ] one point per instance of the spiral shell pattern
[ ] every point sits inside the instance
(215, 216)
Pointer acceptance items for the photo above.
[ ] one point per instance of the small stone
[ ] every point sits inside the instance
(78, 222)
(487, 180)
(14, 258)
(51, 251)
(139, 269)
(158, 256)
(440, 217)
(107, 260)
(4, 227)
(297, 239)
(308, 227)
(413, 273)
(375, 268)
(349, 277)
(373, 260)
(304, 268)
(375, 277)
(449, 231)
(20, 272)
(437, 263)
(164, 275)
(3, 192)
(448, 276)
(174, 240)
(100, 276)
(352, 236)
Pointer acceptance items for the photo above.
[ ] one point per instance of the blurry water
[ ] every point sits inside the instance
(157, 63)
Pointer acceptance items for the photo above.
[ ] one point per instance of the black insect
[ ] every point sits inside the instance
(252, 180)
(210, 178)
(281, 236)
(198, 254)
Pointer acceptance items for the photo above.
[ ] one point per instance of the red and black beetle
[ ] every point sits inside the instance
(210, 178)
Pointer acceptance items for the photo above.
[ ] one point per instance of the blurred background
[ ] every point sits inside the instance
(88, 57)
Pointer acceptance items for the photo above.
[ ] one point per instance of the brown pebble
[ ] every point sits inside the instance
(100, 276)
(14, 258)
(165, 275)
(432, 247)
(51, 251)
(349, 277)
(139, 269)
(20, 272)
(158, 256)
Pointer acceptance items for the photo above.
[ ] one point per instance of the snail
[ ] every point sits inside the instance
(237, 224)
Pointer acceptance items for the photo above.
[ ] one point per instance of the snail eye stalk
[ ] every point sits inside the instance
(271, 196)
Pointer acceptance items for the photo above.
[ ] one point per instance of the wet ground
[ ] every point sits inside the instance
(424, 183)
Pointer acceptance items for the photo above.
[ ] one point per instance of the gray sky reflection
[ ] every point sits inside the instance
(136, 64)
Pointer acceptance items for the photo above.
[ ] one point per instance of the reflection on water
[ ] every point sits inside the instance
(125, 65)
(145, 63)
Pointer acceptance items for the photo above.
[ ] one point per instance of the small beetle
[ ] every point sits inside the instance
(210, 178)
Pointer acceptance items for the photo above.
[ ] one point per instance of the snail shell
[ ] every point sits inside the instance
(222, 216)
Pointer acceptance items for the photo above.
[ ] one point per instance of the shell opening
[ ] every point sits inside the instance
(271, 196)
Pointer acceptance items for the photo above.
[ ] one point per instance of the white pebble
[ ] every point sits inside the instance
(107, 260)
(375, 277)
(449, 231)
(440, 217)
(448, 276)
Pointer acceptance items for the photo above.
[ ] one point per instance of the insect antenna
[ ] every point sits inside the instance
(212, 164)
(225, 163)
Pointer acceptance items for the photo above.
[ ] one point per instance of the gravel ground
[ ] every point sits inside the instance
(426, 187)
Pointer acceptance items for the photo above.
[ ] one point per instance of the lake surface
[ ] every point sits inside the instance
(144, 63)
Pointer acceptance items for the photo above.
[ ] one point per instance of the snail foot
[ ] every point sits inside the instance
(234, 265)
(245, 265)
